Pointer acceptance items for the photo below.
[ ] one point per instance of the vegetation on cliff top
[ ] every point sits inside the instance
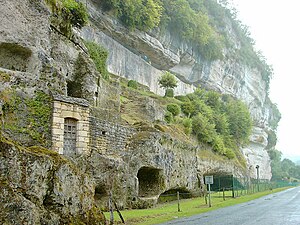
(218, 120)
(68, 13)
(206, 24)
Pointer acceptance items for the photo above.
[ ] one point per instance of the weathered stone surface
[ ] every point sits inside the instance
(36, 188)
(120, 153)
(167, 51)
(45, 188)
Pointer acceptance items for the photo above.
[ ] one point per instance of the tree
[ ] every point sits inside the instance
(167, 81)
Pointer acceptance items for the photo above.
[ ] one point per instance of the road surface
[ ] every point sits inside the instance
(282, 208)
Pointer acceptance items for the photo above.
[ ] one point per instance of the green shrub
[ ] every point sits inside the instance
(203, 129)
(218, 145)
(99, 56)
(167, 81)
(239, 119)
(187, 123)
(75, 12)
(143, 15)
(169, 93)
(182, 98)
(169, 117)
(187, 108)
(68, 13)
(133, 84)
(174, 109)
(229, 153)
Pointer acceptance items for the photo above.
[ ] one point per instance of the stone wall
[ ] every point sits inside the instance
(67, 107)
(109, 138)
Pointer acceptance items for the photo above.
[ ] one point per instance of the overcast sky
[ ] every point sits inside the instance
(274, 25)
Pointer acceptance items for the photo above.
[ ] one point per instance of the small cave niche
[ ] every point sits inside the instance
(100, 192)
(150, 181)
(171, 195)
(74, 89)
(14, 57)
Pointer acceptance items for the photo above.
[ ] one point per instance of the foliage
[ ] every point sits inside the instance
(283, 169)
(169, 117)
(133, 84)
(143, 15)
(27, 118)
(206, 24)
(229, 153)
(99, 56)
(68, 13)
(4, 77)
(182, 98)
(167, 81)
(194, 206)
(174, 109)
(193, 25)
(75, 11)
(169, 93)
(219, 121)
(187, 123)
(203, 129)
(239, 119)
(187, 108)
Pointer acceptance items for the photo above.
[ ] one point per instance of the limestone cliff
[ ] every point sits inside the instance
(49, 86)
(169, 52)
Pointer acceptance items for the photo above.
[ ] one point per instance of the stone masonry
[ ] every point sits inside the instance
(70, 108)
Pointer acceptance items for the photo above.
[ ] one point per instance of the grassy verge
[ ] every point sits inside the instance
(189, 207)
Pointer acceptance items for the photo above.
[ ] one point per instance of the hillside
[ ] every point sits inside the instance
(81, 106)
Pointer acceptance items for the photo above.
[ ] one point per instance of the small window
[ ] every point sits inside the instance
(70, 130)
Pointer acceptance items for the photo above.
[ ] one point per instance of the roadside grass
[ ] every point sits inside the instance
(168, 211)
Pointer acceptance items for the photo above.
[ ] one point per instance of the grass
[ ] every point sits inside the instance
(168, 211)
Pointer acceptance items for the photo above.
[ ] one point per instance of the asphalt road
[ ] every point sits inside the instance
(280, 208)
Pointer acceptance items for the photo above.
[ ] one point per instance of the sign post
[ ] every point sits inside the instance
(209, 180)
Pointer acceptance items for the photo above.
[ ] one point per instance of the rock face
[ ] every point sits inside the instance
(150, 163)
(36, 188)
(135, 163)
(167, 52)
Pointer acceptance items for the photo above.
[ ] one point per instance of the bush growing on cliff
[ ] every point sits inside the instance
(174, 109)
(99, 56)
(143, 15)
(239, 119)
(222, 122)
(133, 84)
(167, 81)
(76, 12)
(68, 13)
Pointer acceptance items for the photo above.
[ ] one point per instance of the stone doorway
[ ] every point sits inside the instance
(70, 131)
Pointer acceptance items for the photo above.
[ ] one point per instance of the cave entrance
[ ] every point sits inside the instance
(150, 181)
(70, 131)
(100, 192)
(171, 195)
(14, 57)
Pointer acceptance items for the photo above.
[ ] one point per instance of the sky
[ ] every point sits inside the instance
(274, 25)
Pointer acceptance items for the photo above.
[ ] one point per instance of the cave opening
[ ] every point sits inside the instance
(150, 181)
(14, 57)
(100, 192)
